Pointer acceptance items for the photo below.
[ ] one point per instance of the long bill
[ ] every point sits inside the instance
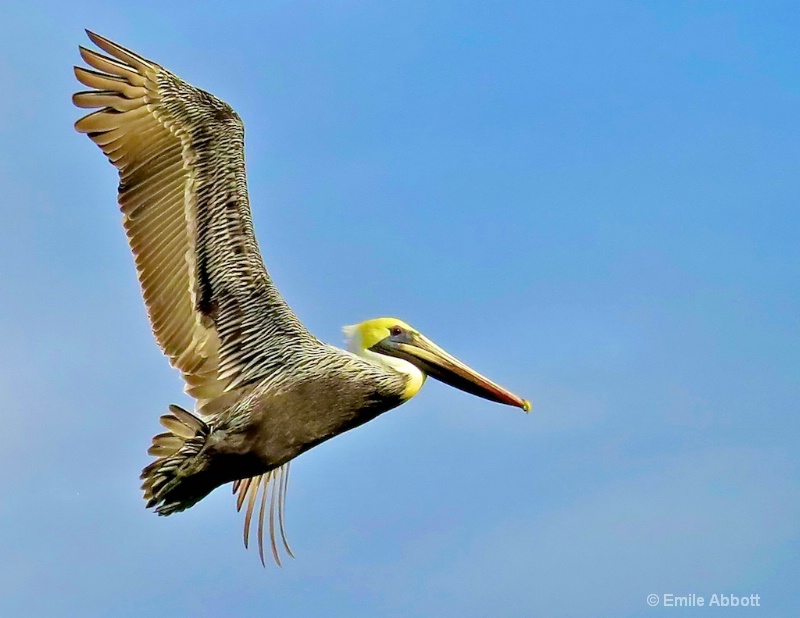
(434, 361)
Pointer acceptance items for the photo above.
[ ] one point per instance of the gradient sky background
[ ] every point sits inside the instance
(595, 204)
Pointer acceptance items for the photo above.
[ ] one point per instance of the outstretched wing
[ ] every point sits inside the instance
(180, 154)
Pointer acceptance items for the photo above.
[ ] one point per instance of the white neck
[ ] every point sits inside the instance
(415, 376)
(398, 364)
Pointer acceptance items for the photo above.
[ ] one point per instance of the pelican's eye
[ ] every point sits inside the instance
(395, 331)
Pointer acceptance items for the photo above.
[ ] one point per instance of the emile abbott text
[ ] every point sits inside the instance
(716, 600)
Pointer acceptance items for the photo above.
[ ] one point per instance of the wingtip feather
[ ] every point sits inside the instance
(119, 52)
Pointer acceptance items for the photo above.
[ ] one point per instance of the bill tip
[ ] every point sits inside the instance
(526, 405)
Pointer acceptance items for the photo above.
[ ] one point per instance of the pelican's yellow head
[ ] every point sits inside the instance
(363, 336)
(393, 343)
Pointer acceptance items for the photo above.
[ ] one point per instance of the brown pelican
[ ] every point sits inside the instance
(266, 389)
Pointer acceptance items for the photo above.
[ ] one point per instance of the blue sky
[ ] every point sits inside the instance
(595, 204)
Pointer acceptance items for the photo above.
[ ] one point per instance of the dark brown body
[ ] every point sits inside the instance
(258, 428)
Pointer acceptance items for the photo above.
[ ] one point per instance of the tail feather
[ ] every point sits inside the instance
(168, 481)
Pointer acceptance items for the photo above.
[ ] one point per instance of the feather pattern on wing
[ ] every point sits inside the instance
(180, 154)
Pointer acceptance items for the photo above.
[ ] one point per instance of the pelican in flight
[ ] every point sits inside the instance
(266, 389)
